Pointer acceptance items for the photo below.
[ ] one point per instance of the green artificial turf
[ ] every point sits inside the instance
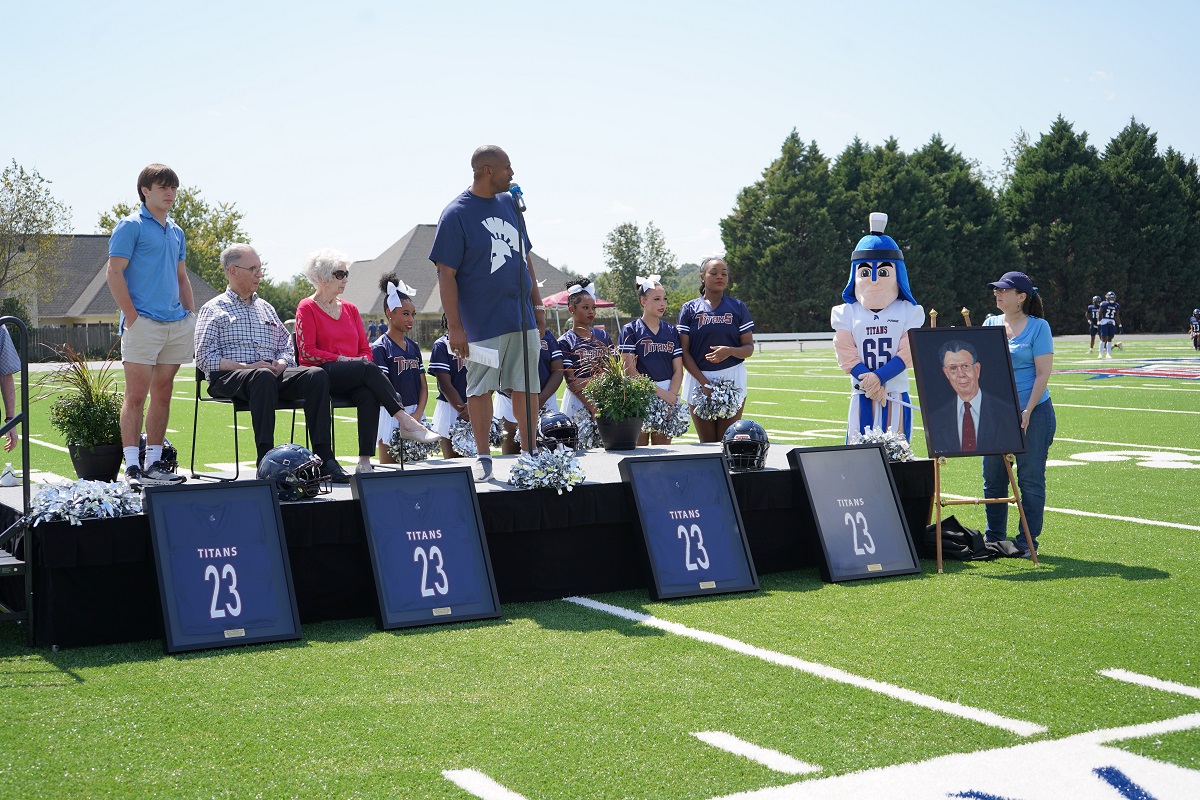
(559, 701)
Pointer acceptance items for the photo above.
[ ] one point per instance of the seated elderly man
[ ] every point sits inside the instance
(247, 353)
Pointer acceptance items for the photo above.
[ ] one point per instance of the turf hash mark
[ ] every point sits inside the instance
(1019, 727)
(771, 759)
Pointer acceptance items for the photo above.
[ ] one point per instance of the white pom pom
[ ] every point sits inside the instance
(878, 221)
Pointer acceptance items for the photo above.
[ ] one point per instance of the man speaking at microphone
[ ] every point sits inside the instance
(490, 298)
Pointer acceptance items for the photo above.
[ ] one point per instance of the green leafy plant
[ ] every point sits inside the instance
(616, 395)
(88, 412)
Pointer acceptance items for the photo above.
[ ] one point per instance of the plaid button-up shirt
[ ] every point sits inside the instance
(228, 327)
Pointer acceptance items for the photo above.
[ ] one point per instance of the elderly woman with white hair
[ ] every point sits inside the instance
(330, 335)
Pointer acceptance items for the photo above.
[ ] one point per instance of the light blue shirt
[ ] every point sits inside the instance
(154, 252)
(1032, 342)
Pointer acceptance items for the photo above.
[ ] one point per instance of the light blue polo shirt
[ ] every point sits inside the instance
(154, 252)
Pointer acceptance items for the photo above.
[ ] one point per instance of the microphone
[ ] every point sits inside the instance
(518, 196)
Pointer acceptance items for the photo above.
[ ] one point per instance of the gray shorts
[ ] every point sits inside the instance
(152, 342)
(510, 375)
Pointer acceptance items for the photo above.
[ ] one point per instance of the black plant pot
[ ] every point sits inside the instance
(619, 434)
(99, 463)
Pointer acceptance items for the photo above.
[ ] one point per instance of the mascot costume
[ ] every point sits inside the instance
(871, 334)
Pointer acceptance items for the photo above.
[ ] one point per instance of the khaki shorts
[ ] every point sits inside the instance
(149, 341)
(510, 375)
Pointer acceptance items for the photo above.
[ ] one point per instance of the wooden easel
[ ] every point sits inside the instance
(940, 461)
(1015, 497)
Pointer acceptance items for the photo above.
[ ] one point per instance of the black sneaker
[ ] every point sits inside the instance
(155, 475)
(333, 470)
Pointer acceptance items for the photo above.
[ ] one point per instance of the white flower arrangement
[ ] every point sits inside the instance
(894, 443)
(82, 500)
(556, 469)
(413, 451)
(462, 437)
(667, 420)
(723, 403)
(589, 432)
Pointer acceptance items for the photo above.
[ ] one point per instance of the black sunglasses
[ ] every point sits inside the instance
(341, 274)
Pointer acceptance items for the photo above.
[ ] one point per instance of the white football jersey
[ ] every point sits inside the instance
(877, 335)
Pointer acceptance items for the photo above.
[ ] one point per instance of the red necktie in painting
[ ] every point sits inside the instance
(968, 430)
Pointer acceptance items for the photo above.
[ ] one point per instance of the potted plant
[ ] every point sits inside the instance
(87, 413)
(621, 400)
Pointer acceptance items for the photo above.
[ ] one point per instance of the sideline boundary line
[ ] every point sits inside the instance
(1073, 512)
(1019, 727)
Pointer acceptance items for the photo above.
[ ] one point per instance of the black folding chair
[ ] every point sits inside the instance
(237, 405)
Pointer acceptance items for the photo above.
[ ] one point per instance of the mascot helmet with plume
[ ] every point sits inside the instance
(875, 251)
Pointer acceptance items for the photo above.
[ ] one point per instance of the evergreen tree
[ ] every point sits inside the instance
(1154, 238)
(628, 253)
(1056, 203)
(782, 245)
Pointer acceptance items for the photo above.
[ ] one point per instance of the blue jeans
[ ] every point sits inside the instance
(1031, 478)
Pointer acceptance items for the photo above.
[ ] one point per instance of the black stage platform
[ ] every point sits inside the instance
(95, 583)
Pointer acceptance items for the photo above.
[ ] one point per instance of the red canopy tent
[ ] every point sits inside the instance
(559, 299)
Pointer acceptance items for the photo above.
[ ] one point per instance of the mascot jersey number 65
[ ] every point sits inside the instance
(871, 333)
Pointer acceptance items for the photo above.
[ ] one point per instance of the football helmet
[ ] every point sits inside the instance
(745, 445)
(296, 472)
(555, 428)
(1196, 312)
(1096, 299)
(1111, 297)
(170, 456)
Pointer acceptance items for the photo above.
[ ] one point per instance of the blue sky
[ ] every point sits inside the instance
(343, 125)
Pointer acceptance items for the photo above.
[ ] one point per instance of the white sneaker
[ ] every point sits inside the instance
(482, 469)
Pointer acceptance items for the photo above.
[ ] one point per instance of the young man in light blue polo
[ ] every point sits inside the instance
(148, 280)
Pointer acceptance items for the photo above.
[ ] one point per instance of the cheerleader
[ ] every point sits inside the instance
(450, 372)
(651, 347)
(577, 343)
(717, 335)
(400, 359)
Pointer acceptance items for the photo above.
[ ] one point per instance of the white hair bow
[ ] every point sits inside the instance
(576, 289)
(393, 294)
(649, 282)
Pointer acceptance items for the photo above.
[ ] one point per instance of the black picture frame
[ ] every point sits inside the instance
(691, 525)
(224, 578)
(435, 512)
(859, 517)
(999, 429)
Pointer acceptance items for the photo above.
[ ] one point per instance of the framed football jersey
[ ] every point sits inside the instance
(695, 540)
(428, 550)
(221, 558)
(860, 521)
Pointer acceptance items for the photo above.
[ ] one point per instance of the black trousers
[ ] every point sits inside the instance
(262, 390)
(364, 383)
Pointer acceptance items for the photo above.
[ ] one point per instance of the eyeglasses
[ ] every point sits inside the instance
(999, 290)
(956, 369)
(341, 274)
(252, 270)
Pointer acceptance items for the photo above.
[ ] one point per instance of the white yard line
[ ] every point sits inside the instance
(475, 783)
(1019, 727)
(1151, 682)
(1129, 444)
(1122, 408)
(771, 759)
(1115, 517)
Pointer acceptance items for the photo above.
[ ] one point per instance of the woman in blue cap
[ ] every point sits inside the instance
(1032, 350)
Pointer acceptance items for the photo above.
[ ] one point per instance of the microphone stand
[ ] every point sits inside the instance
(519, 205)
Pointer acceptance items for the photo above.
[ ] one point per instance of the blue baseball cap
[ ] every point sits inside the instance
(1014, 280)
